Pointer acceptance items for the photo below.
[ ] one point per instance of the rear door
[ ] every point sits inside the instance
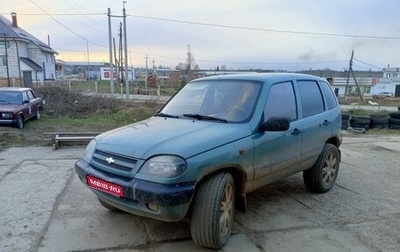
(34, 103)
(315, 120)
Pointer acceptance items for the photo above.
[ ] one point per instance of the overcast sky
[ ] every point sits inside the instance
(246, 34)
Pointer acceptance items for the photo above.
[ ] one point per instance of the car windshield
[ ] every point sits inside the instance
(10, 97)
(218, 100)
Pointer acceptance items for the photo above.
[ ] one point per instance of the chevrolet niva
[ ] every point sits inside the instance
(216, 140)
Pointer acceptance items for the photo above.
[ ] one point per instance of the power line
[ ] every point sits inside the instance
(223, 26)
(268, 30)
(87, 40)
(365, 63)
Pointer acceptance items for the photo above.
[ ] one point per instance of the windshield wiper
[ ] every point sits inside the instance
(5, 101)
(166, 115)
(205, 117)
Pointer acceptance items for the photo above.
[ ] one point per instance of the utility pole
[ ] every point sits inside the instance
(6, 52)
(354, 77)
(145, 78)
(88, 61)
(126, 52)
(111, 54)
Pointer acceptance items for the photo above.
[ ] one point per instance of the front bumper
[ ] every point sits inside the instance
(158, 201)
(8, 121)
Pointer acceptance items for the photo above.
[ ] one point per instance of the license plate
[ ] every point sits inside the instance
(105, 186)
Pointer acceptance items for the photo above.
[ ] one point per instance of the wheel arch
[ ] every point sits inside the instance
(336, 141)
(239, 177)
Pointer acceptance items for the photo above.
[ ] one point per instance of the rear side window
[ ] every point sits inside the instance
(329, 95)
(281, 102)
(311, 98)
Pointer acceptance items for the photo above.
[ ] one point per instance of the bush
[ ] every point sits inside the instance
(63, 102)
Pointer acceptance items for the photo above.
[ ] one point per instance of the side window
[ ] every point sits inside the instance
(311, 98)
(25, 97)
(329, 95)
(281, 101)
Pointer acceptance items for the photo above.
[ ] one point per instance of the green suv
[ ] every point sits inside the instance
(216, 140)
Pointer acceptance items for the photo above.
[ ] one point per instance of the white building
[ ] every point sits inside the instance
(390, 82)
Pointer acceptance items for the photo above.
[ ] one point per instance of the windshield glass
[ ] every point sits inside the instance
(10, 97)
(228, 100)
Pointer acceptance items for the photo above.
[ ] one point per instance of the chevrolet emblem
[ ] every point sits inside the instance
(110, 160)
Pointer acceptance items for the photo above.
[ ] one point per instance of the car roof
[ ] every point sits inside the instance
(260, 77)
(18, 89)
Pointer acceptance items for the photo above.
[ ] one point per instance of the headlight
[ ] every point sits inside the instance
(164, 166)
(87, 155)
(6, 115)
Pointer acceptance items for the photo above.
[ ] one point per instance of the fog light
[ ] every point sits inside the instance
(152, 207)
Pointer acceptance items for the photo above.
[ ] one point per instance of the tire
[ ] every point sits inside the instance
(37, 116)
(108, 206)
(395, 126)
(360, 120)
(378, 120)
(213, 211)
(395, 115)
(394, 121)
(322, 176)
(20, 122)
(380, 126)
(360, 126)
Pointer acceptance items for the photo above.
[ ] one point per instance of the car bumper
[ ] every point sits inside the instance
(7, 121)
(158, 201)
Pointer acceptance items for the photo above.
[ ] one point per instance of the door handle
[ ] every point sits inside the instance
(296, 131)
(325, 123)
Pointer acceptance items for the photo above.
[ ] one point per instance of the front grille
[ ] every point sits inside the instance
(114, 161)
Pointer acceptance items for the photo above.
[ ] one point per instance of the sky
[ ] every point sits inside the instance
(287, 35)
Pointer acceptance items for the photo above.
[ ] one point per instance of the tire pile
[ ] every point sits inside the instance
(374, 121)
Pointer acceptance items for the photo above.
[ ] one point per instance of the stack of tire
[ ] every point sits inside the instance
(394, 120)
(360, 122)
(379, 121)
(345, 121)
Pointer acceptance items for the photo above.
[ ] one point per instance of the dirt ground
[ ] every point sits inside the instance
(46, 208)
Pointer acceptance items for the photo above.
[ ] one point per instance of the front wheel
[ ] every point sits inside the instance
(20, 122)
(322, 176)
(213, 211)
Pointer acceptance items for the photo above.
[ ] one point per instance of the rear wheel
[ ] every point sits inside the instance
(322, 176)
(37, 116)
(213, 211)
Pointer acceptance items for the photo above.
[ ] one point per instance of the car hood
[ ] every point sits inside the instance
(9, 107)
(158, 135)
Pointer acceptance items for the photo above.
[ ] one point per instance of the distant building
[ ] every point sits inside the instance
(389, 82)
(24, 59)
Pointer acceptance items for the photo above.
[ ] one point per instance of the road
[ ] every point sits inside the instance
(44, 207)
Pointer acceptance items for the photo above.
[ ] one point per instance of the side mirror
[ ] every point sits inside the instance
(25, 101)
(276, 123)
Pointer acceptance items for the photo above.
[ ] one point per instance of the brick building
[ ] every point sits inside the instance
(24, 59)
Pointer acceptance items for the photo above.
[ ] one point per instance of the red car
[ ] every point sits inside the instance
(18, 105)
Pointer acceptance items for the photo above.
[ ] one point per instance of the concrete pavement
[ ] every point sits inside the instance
(44, 207)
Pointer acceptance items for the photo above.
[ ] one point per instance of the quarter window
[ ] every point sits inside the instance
(281, 102)
(329, 95)
(311, 98)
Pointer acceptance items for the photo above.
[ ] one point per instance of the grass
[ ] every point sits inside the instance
(35, 131)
